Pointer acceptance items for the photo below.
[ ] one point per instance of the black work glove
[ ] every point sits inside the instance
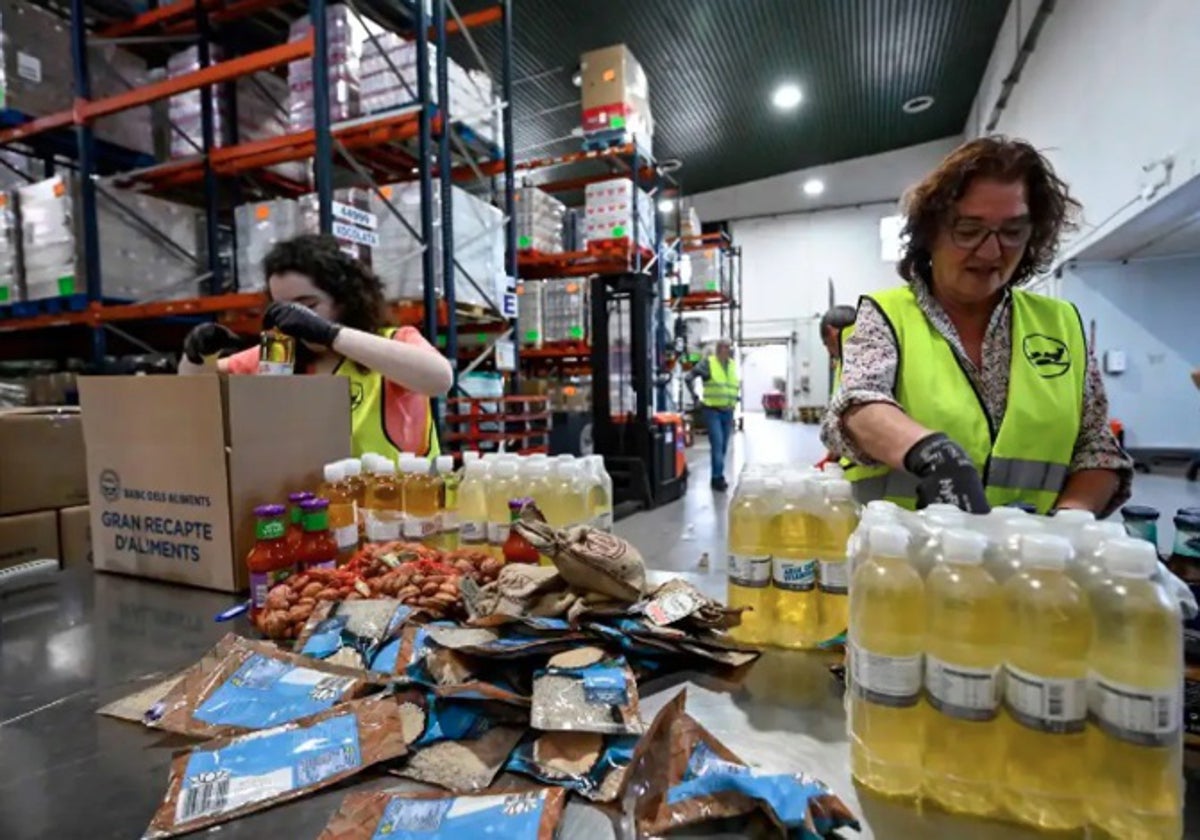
(208, 340)
(301, 323)
(946, 474)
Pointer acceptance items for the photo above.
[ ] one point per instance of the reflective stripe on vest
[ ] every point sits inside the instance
(721, 385)
(368, 425)
(1027, 459)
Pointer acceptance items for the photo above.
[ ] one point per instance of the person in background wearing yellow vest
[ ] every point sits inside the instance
(833, 323)
(333, 306)
(721, 388)
(960, 387)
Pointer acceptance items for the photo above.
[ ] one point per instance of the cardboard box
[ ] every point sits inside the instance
(615, 92)
(28, 536)
(41, 459)
(75, 537)
(176, 465)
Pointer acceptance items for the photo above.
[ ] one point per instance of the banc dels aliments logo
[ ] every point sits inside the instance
(110, 485)
(1049, 356)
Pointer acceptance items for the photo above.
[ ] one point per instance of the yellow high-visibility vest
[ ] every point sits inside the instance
(721, 386)
(1027, 458)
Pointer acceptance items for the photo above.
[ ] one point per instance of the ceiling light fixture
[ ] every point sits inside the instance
(814, 187)
(918, 104)
(666, 205)
(786, 97)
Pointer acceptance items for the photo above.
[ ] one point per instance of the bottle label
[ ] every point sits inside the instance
(472, 531)
(960, 691)
(752, 570)
(497, 533)
(346, 536)
(275, 368)
(420, 527)
(883, 679)
(382, 527)
(834, 577)
(1149, 717)
(323, 564)
(794, 574)
(1047, 704)
(261, 583)
(449, 521)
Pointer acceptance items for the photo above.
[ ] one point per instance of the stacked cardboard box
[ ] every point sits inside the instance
(616, 96)
(354, 225)
(259, 226)
(539, 221)
(609, 212)
(346, 34)
(10, 240)
(114, 71)
(478, 245)
(184, 111)
(530, 313)
(565, 312)
(689, 223)
(706, 271)
(43, 487)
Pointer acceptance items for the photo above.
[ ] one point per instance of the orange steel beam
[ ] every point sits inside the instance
(582, 181)
(223, 71)
(97, 313)
(225, 14)
(492, 14)
(37, 126)
(146, 20)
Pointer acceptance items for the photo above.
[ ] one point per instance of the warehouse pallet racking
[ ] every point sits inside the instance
(419, 141)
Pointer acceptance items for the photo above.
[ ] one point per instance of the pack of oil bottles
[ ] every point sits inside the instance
(1016, 666)
(416, 499)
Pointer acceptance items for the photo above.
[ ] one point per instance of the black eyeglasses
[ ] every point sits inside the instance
(970, 234)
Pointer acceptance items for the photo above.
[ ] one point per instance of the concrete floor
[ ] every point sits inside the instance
(676, 536)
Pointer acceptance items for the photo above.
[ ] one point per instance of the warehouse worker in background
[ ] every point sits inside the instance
(720, 376)
(960, 387)
(833, 323)
(332, 305)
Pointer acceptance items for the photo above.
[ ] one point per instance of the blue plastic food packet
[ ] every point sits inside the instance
(242, 685)
(351, 633)
(388, 815)
(229, 777)
(586, 689)
(591, 764)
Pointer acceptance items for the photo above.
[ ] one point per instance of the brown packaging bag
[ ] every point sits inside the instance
(205, 787)
(589, 560)
(679, 603)
(532, 815)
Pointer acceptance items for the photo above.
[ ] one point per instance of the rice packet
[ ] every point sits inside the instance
(452, 674)
(351, 633)
(585, 689)
(591, 764)
(243, 685)
(387, 815)
(463, 766)
(232, 776)
(506, 643)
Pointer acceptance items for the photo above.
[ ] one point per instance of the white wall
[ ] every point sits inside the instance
(1110, 86)
(1148, 309)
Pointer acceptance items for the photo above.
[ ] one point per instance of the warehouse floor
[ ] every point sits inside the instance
(689, 535)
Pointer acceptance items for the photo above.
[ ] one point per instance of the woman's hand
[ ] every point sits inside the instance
(208, 340)
(301, 323)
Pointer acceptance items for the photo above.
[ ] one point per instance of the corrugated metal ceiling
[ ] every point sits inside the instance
(712, 65)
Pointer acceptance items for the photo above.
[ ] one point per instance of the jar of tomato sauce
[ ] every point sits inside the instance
(271, 560)
(317, 548)
(516, 548)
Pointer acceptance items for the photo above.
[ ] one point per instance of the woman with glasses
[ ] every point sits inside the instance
(961, 387)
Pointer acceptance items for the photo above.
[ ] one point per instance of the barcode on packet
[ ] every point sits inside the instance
(1162, 713)
(316, 768)
(1054, 701)
(204, 799)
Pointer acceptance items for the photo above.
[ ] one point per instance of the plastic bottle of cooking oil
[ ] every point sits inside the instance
(384, 516)
(343, 512)
(886, 643)
(964, 652)
(602, 495)
(877, 512)
(502, 487)
(422, 501)
(537, 482)
(1048, 629)
(749, 535)
(1003, 557)
(472, 506)
(1067, 522)
(928, 553)
(568, 497)
(592, 489)
(1134, 749)
(448, 502)
(793, 549)
(837, 521)
(1087, 567)
(354, 479)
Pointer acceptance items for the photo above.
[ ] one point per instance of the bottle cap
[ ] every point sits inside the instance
(538, 456)
(888, 540)
(796, 486)
(264, 511)
(385, 467)
(1024, 507)
(1187, 522)
(1188, 511)
(353, 467)
(1044, 551)
(297, 498)
(469, 456)
(567, 469)
(335, 472)
(476, 467)
(839, 488)
(883, 506)
(1074, 517)
(370, 461)
(773, 485)
(445, 463)
(314, 504)
(1140, 512)
(962, 546)
(1007, 512)
(516, 505)
(1129, 557)
(504, 469)
(940, 507)
(414, 465)
(833, 471)
(946, 519)
(751, 485)
(1092, 535)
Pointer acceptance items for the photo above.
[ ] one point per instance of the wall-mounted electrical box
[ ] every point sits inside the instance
(1114, 361)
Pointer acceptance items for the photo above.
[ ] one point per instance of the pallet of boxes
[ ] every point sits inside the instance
(43, 488)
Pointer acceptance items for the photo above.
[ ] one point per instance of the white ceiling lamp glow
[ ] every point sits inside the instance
(666, 205)
(918, 104)
(813, 187)
(787, 96)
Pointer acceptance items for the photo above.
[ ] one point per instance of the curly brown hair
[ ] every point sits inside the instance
(1052, 210)
(353, 286)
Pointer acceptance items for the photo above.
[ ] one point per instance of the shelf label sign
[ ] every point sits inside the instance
(29, 67)
(509, 305)
(506, 355)
(357, 235)
(355, 216)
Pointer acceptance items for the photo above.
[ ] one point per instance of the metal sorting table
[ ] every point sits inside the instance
(86, 639)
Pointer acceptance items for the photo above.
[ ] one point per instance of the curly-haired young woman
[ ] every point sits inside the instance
(961, 387)
(333, 306)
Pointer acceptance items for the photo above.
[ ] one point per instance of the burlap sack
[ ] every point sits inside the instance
(589, 560)
(521, 589)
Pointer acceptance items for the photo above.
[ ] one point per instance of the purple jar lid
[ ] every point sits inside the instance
(297, 498)
(314, 504)
(270, 510)
(517, 504)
